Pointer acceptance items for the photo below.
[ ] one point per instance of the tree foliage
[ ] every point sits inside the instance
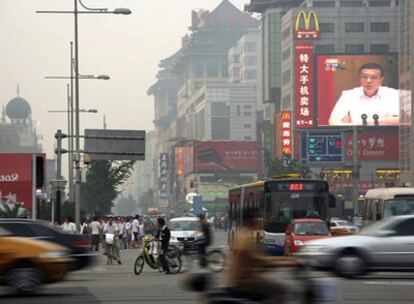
(103, 184)
(284, 165)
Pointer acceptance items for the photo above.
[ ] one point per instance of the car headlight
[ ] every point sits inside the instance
(313, 248)
(53, 255)
(298, 243)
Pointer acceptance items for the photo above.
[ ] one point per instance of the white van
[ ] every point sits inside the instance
(184, 229)
(382, 203)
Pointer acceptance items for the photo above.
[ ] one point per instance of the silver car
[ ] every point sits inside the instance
(384, 246)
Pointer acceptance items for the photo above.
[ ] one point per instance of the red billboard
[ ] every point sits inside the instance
(351, 87)
(304, 85)
(374, 146)
(16, 179)
(213, 156)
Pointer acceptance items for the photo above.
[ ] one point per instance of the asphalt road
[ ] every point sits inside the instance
(118, 284)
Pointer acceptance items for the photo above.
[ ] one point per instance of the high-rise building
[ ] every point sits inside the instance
(406, 79)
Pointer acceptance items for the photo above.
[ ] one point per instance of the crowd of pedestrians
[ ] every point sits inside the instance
(112, 233)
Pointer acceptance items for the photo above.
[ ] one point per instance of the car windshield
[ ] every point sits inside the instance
(184, 225)
(400, 206)
(311, 228)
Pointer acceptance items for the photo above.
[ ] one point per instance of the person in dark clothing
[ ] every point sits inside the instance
(205, 241)
(163, 235)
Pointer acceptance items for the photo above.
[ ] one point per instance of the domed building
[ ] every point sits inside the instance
(16, 127)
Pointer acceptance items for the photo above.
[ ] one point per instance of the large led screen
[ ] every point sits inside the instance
(357, 90)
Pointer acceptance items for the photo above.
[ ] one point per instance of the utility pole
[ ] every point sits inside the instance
(59, 151)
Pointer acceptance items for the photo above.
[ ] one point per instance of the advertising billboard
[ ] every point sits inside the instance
(16, 179)
(304, 84)
(357, 90)
(213, 156)
(307, 26)
(375, 145)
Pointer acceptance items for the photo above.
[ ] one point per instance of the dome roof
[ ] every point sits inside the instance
(18, 108)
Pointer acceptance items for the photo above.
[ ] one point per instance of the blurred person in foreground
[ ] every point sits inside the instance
(248, 261)
(206, 239)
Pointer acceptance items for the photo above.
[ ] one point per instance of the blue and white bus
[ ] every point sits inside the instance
(278, 201)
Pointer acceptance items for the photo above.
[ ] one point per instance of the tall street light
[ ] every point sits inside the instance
(76, 12)
(70, 113)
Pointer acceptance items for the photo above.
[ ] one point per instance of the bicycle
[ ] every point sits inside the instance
(149, 255)
(189, 252)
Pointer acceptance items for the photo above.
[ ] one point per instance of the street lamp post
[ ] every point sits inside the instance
(88, 10)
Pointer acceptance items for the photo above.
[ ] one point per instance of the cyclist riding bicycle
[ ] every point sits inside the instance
(205, 240)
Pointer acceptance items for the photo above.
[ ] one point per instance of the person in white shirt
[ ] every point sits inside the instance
(128, 228)
(95, 231)
(371, 99)
(69, 226)
(135, 231)
(113, 229)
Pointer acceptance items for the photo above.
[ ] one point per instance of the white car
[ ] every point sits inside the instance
(342, 227)
(387, 245)
(184, 229)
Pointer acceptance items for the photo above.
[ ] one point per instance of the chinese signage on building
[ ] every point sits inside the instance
(375, 145)
(304, 85)
(307, 29)
(322, 147)
(164, 169)
(286, 120)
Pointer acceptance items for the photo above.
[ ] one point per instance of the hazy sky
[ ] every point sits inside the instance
(127, 48)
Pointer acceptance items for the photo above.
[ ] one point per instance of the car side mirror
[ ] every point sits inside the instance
(332, 201)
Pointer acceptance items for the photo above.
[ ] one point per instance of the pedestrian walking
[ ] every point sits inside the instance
(95, 232)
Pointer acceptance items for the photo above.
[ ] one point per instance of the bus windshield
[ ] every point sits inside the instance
(282, 207)
(398, 206)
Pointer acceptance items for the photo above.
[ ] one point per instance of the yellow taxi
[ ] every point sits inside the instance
(26, 264)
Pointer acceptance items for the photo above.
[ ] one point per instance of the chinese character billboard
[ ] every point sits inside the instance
(357, 90)
(304, 85)
(164, 172)
(212, 156)
(375, 145)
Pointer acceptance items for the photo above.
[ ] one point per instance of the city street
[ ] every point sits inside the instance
(118, 284)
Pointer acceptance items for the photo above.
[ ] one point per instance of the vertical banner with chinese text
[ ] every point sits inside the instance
(164, 168)
(304, 85)
(286, 133)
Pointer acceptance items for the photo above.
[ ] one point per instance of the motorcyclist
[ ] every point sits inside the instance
(248, 261)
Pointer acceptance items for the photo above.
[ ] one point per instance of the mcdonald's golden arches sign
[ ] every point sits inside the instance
(307, 25)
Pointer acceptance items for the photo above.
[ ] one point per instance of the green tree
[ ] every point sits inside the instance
(284, 166)
(147, 200)
(103, 184)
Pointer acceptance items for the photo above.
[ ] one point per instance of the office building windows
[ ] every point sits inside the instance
(379, 3)
(380, 27)
(354, 48)
(354, 27)
(324, 49)
(327, 27)
(323, 3)
(351, 3)
(380, 48)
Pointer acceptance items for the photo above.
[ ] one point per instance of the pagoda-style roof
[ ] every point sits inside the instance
(259, 6)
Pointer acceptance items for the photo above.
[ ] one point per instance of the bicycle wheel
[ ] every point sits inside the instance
(216, 260)
(139, 265)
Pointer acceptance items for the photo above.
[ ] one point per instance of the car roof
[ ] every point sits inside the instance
(302, 220)
(184, 218)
